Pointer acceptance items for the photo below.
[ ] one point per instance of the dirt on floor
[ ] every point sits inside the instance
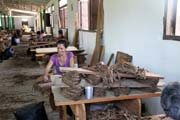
(17, 76)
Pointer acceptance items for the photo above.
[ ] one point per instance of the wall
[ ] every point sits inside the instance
(136, 27)
(87, 42)
(18, 22)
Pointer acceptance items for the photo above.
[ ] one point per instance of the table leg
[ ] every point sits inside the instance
(64, 112)
(79, 111)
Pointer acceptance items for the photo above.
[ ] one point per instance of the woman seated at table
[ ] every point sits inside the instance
(61, 59)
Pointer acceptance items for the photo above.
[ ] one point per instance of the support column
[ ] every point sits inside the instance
(44, 15)
(1, 21)
(5, 23)
(10, 24)
(13, 25)
(41, 20)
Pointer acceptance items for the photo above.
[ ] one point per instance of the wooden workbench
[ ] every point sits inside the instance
(131, 102)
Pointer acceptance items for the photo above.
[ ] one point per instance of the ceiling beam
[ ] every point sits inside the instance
(30, 5)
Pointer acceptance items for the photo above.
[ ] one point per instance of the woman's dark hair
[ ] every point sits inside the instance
(64, 42)
(170, 100)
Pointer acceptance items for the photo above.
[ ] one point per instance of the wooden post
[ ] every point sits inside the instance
(102, 51)
(110, 59)
(0, 20)
(64, 112)
(44, 20)
(5, 24)
(79, 111)
(96, 52)
(76, 35)
(41, 19)
(76, 39)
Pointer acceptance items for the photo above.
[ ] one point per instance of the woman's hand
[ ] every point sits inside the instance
(46, 79)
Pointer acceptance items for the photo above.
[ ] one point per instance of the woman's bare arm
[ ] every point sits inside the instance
(47, 70)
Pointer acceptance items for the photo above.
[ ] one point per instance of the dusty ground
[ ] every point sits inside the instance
(17, 76)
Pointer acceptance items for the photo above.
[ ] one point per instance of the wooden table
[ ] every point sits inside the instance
(50, 50)
(131, 102)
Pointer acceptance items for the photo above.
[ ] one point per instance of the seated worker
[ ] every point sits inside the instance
(170, 100)
(15, 40)
(42, 34)
(61, 59)
(60, 34)
(38, 33)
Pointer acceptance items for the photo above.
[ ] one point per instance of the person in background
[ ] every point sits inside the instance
(61, 59)
(6, 51)
(16, 37)
(170, 100)
(42, 34)
(38, 34)
(60, 34)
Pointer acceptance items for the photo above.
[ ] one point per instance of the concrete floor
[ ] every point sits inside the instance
(17, 76)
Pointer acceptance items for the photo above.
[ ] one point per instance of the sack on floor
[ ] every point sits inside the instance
(34, 111)
(9, 52)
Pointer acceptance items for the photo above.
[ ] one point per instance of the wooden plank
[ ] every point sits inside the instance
(60, 100)
(133, 106)
(43, 45)
(102, 51)
(153, 75)
(40, 55)
(110, 59)
(149, 75)
(80, 70)
(157, 117)
(53, 50)
(100, 22)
